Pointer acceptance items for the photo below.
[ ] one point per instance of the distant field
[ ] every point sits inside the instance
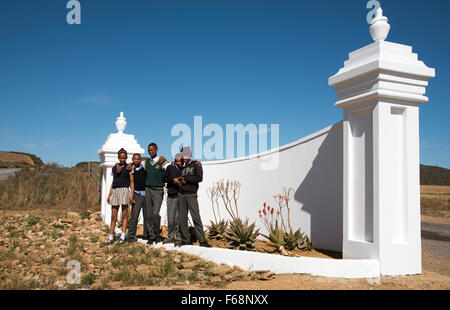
(435, 200)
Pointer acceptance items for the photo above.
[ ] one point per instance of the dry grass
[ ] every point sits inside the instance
(435, 201)
(51, 185)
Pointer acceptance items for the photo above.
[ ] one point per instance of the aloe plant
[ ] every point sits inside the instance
(217, 230)
(241, 235)
(276, 236)
(297, 240)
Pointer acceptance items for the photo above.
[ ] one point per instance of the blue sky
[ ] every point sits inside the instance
(162, 62)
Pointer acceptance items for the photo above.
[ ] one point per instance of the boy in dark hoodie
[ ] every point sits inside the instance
(171, 177)
(191, 175)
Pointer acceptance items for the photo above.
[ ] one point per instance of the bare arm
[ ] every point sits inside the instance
(132, 188)
(108, 200)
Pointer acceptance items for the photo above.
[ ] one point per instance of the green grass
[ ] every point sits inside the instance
(32, 221)
(73, 243)
(88, 279)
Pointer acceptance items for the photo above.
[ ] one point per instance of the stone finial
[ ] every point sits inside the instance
(380, 27)
(121, 123)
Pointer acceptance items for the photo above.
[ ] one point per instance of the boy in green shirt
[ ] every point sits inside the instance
(154, 193)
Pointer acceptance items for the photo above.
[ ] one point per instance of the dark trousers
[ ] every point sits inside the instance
(153, 201)
(189, 202)
(139, 204)
(172, 218)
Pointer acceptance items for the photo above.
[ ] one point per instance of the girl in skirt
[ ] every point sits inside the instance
(119, 195)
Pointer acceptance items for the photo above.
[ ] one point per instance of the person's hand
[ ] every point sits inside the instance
(129, 167)
(131, 201)
(118, 168)
(162, 159)
(199, 163)
(176, 181)
(108, 200)
(183, 181)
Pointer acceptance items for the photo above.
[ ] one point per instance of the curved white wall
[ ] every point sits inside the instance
(312, 166)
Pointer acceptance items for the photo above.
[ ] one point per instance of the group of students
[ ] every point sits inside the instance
(140, 184)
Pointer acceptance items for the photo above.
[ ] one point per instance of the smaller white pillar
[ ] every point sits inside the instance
(108, 157)
(380, 88)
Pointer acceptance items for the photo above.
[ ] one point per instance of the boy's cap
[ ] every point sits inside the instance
(178, 156)
(186, 152)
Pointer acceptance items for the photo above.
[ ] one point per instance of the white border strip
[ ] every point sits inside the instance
(252, 261)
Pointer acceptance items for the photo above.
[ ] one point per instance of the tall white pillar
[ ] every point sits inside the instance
(380, 88)
(108, 157)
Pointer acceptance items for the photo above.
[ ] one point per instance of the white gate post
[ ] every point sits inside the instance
(380, 88)
(108, 157)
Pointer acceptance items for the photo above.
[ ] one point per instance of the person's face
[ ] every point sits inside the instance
(122, 158)
(178, 162)
(186, 160)
(136, 160)
(152, 151)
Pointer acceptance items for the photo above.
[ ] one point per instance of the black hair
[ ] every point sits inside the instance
(153, 144)
(122, 151)
(137, 154)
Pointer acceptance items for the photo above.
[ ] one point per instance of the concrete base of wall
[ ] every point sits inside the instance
(252, 261)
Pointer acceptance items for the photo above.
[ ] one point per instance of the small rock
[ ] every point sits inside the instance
(283, 251)
(188, 265)
(73, 215)
(185, 271)
(60, 284)
(144, 269)
(266, 276)
(215, 280)
(221, 270)
(228, 277)
(261, 271)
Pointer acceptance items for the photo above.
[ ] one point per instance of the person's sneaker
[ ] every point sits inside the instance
(110, 241)
(121, 241)
(150, 241)
(167, 241)
(205, 244)
(182, 243)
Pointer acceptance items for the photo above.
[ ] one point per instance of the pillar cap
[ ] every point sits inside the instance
(381, 70)
(116, 141)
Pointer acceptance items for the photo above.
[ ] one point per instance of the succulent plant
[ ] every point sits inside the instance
(241, 235)
(276, 236)
(217, 230)
(297, 240)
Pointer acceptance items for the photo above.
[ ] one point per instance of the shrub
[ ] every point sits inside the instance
(241, 235)
(217, 230)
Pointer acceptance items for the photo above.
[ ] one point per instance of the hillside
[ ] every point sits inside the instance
(19, 160)
(430, 175)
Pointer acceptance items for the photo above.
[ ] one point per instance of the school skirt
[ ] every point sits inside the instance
(120, 196)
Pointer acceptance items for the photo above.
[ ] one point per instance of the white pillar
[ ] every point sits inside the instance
(380, 88)
(108, 157)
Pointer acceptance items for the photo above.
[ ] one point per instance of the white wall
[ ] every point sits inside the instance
(312, 166)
